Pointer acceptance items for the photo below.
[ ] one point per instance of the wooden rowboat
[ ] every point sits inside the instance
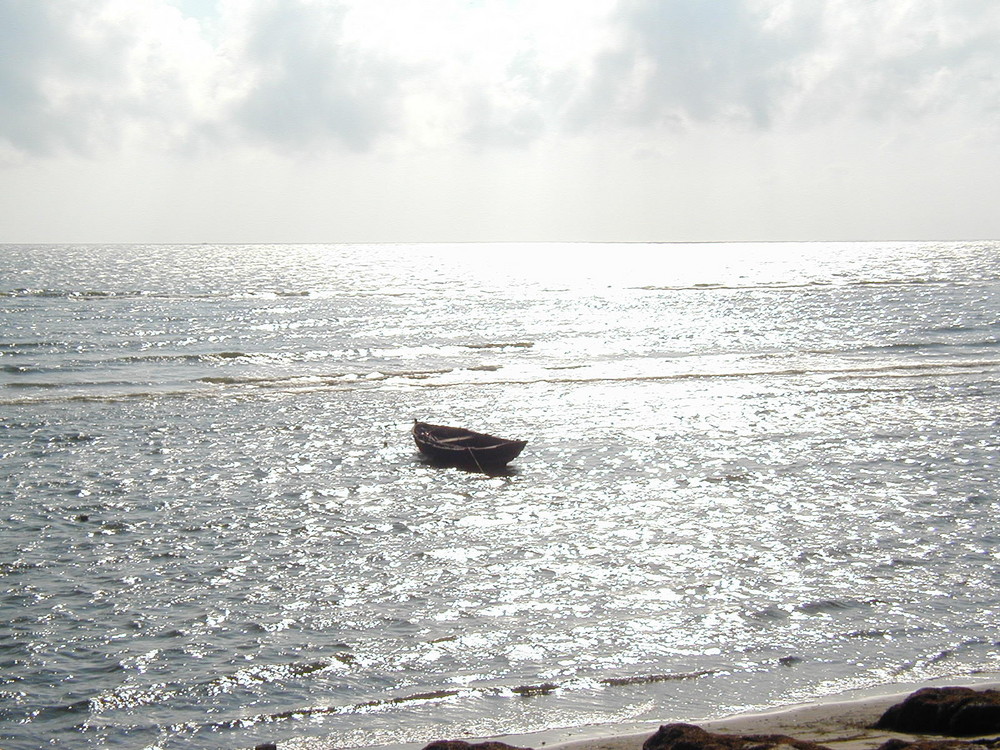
(454, 445)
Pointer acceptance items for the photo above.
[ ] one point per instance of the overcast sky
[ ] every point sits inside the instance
(452, 120)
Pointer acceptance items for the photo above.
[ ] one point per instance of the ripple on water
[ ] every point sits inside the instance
(731, 496)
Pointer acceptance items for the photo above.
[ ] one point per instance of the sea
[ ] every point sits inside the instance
(757, 474)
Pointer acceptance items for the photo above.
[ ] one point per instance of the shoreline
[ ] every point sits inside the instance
(842, 721)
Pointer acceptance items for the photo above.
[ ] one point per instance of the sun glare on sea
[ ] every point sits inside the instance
(610, 265)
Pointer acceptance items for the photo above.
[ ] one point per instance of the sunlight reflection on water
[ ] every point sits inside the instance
(741, 486)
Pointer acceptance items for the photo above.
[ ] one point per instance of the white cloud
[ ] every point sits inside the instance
(87, 77)
(306, 85)
(300, 74)
(684, 61)
(904, 60)
(761, 63)
(84, 75)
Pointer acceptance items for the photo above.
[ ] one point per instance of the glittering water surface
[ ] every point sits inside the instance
(756, 474)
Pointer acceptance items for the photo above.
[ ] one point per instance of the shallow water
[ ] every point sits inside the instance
(756, 474)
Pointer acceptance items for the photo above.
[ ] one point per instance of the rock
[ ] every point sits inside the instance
(953, 711)
(897, 744)
(690, 737)
(462, 745)
(977, 717)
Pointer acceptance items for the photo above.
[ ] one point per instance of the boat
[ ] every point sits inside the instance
(458, 446)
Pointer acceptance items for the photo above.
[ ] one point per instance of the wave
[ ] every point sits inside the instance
(111, 361)
(443, 378)
(943, 338)
(321, 293)
(440, 695)
(829, 606)
(834, 373)
(209, 357)
(13, 347)
(925, 661)
(88, 294)
(123, 294)
(104, 398)
(654, 678)
(196, 357)
(131, 697)
(795, 285)
(40, 385)
(503, 345)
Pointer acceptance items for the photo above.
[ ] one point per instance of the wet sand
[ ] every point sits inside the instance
(842, 723)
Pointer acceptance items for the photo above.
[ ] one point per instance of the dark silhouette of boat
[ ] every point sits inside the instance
(457, 446)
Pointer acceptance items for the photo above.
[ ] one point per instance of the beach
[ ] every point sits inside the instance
(844, 722)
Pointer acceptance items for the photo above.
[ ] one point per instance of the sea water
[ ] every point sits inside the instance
(756, 474)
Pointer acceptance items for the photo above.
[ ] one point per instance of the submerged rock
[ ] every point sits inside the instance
(690, 737)
(953, 711)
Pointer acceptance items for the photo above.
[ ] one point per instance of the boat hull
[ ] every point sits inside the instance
(454, 445)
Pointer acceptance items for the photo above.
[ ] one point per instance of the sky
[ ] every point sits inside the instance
(498, 120)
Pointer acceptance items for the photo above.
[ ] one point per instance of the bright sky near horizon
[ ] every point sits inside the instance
(513, 120)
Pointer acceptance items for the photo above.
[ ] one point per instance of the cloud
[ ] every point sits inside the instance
(698, 60)
(96, 76)
(906, 59)
(307, 84)
(53, 75)
(771, 63)
(24, 31)
(84, 76)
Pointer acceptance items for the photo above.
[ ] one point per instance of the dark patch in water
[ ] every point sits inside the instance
(869, 633)
(651, 678)
(503, 345)
(531, 690)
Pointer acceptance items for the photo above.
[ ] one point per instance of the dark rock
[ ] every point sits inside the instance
(897, 744)
(954, 711)
(462, 745)
(977, 717)
(690, 737)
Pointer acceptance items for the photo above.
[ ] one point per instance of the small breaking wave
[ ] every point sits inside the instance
(503, 345)
(121, 294)
(474, 375)
(748, 286)
(441, 695)
(654, 678)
